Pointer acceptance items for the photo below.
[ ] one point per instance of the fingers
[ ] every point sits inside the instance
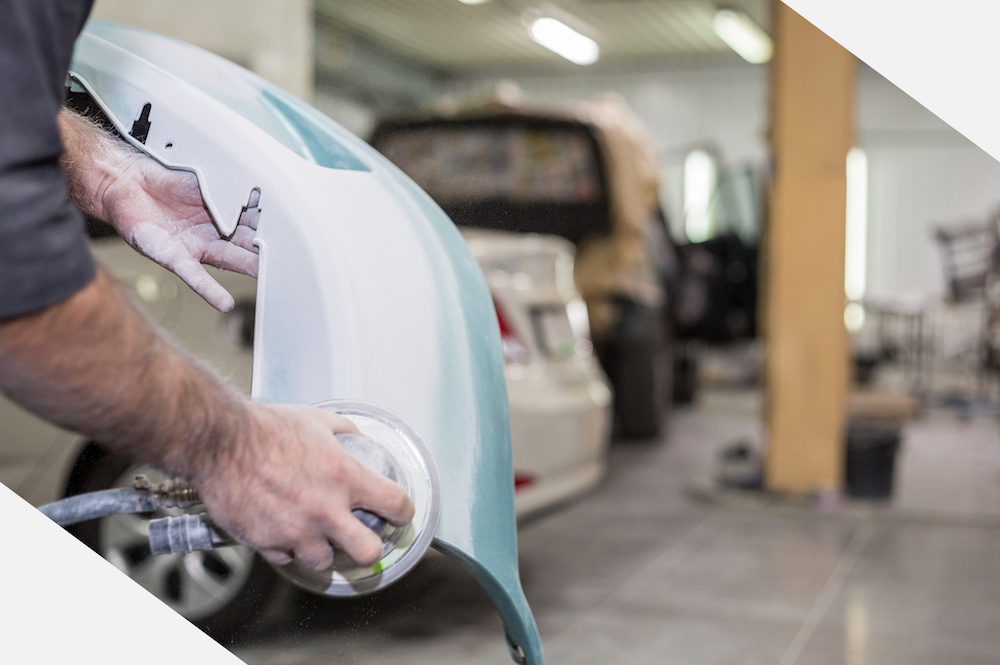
(277, 557)
(382, 497)
(370, 490)
(338, 424)
(173, 254)
(243, 237)
(228, 256)
(195, 276)
(360, 542)
(316, 554)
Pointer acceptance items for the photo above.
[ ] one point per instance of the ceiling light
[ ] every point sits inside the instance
(473, 2)
(564, 40)
(743, 35)
(856, 232)
(700, 176)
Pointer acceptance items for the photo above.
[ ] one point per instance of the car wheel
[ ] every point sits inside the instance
(640, 389)
(217, 590)
(639, 365)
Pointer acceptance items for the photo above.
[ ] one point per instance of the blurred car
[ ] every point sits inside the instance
(560, 402)
(560, 414)
(715, 284)
(585, 174)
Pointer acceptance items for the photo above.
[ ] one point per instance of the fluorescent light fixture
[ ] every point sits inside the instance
(699, 185)
(564, 40)
(856, 231)
(473, 2)
(743, 36)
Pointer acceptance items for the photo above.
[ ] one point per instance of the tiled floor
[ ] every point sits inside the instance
(951, 465)
(638, 573)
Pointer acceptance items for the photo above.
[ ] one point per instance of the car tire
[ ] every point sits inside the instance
(220, 591)
(638, 361)
(640, 390)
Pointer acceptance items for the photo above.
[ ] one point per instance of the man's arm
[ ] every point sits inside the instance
(273, 476)
(75, 351)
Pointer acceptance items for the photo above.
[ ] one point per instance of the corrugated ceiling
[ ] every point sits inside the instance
(449, 35)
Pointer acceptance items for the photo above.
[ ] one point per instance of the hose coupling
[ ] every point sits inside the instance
(171, 493)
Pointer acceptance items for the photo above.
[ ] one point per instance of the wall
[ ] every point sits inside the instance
(921, 173)
(274, 38)
(722, 107)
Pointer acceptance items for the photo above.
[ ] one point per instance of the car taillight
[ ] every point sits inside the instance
(513, 350)
(523, 481)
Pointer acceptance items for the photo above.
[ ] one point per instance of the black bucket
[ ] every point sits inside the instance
(871, 460)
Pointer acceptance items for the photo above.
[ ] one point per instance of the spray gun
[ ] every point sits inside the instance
(177, 534)
(188, 533)
(391, 449)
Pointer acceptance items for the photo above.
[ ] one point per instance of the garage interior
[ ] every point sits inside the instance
(828, 490)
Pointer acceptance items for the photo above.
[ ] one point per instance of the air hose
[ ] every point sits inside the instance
(391, 449)
(167, 535)
(140, 498)
(94, 505)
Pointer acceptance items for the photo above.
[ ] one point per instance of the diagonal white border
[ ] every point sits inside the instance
(60, 602)
(943, 54)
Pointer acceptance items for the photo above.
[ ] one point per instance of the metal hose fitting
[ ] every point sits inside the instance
(140, 498)
(172, 493)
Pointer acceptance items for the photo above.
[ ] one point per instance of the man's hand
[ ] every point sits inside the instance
(158, 211)
(273, 476)
(289, 488)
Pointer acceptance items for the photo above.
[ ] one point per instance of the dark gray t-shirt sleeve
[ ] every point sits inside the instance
(44, 253)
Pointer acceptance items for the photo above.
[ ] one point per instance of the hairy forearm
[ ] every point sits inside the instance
(273, 476)
(92, 364)
(93, 160)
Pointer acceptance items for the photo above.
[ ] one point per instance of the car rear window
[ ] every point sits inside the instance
(516, 163)
(505, 173)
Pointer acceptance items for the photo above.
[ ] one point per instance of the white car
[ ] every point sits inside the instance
(559, 399)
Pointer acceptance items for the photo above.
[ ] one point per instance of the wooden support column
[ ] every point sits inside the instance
(812, 107)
